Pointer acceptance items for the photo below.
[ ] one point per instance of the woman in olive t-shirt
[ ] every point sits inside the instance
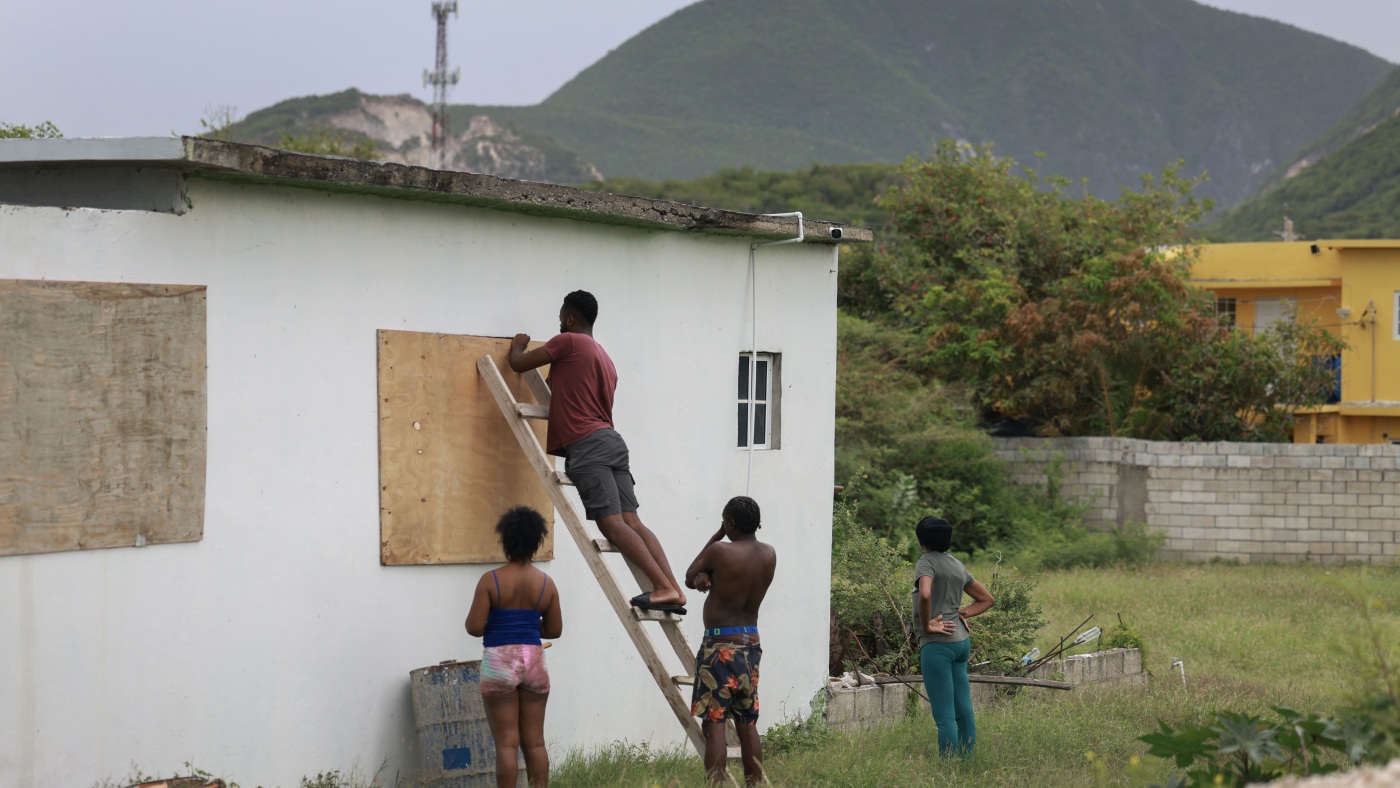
(940, 580)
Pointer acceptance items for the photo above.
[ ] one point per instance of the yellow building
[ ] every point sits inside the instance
(1352, 288)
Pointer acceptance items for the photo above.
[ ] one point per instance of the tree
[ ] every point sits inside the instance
(1074, 315)
(14, 131)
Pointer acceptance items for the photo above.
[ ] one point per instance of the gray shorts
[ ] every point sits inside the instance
(598, 466)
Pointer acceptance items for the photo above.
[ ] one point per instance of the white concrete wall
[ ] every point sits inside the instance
(278, 647)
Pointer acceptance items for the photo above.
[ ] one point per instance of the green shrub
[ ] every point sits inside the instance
(1124, 636)
(871, 603)
(1001, 635)
(870, 586)
(1241, 749)
(1131, 544)
(800, 734)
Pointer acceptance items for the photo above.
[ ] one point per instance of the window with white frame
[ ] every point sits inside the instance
(764, 404)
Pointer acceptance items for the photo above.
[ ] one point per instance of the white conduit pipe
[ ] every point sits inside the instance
(753, 336)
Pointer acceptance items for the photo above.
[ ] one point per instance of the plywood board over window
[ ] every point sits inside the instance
(449, 465)
(102, 415)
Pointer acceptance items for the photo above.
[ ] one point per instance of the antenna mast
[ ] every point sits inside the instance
(440, 79)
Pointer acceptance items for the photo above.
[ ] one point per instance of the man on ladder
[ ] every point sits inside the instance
(583, 379)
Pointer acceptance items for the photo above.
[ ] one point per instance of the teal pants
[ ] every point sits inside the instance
(945, 681)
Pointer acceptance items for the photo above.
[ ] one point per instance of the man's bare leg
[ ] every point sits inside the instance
(716, 753)
(751, 749)
(654, 547)
(635, 549)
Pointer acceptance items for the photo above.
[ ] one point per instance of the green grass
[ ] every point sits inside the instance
(1276, 632)
(1252, 637)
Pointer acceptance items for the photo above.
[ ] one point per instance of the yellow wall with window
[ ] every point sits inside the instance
(1351, 288)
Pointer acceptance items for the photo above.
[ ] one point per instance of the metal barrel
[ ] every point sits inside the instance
(454, 739)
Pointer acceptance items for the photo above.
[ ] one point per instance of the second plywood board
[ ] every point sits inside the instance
(448, 463)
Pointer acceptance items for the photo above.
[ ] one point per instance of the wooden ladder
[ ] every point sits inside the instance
(632, 618)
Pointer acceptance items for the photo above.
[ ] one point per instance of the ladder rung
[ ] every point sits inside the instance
(655, 615)
(688, 681)
(563, 478)
(531, 411)
(604, 546)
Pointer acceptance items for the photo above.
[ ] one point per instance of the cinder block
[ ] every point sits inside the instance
(869, 705)
(893, 703)
(840, 706)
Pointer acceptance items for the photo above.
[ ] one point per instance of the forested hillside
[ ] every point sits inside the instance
(1344, 185)
(1110, 91)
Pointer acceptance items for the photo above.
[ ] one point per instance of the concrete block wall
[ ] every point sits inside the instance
(1240, 501)
(1115, 666)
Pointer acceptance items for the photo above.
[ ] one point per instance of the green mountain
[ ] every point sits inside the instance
(1107, 89)
(1344, 185)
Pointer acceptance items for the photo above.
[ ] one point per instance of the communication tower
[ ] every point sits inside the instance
(440, 79)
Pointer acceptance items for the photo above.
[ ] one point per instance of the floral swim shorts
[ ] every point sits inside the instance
(504, 668)
(726, 682)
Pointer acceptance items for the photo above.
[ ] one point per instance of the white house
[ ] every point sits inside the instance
(191, 485)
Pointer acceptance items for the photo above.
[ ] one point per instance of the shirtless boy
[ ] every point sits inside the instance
(736, 575)
(583, 380)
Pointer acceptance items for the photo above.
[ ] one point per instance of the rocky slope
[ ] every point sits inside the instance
(401, 127)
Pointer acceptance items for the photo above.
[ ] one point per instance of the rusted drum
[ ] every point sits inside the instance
(454, 739)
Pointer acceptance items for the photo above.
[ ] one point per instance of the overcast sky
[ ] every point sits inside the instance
(152, 67)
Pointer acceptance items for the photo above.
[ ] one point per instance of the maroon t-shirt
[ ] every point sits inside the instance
(583, 380)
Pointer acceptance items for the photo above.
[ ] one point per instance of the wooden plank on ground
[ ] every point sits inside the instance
(448, 465)
(977, 678)
(103, 415)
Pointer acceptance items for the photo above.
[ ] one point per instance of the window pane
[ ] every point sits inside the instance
(761, 391)
(760, 427)
(743, 377)
(743, 423)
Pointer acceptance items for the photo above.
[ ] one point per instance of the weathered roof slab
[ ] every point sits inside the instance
(101, 173)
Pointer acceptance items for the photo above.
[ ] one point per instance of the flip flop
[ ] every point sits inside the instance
(643, 602)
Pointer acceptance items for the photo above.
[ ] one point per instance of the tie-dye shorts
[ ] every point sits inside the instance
(504, 668)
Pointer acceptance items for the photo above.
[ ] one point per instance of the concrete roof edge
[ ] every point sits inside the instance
(253, 163)
(91, 151)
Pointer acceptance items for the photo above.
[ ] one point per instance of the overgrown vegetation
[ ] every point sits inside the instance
(329, 142)
(872, 626)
